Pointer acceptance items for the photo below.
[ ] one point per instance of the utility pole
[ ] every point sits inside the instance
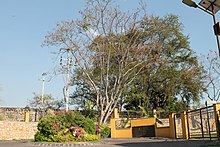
(67, 66)
(42, 94)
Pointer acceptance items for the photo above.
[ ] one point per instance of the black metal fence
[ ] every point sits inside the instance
(202, 123)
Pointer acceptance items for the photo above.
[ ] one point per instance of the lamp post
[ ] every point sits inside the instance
(211, 7)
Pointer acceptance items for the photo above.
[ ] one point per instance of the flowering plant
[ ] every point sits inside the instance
(55, 126)
(98, 129)
(77, 131)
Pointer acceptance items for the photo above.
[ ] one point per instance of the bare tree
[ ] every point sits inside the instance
(107, 46)
(212, 66)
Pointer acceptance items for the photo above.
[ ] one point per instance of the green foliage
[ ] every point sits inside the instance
(90, 113)
(89, 137)
(88, 126)
(105, 131)
(176, 76)
(66, 127)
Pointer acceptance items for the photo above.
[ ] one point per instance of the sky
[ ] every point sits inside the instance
(24, 24)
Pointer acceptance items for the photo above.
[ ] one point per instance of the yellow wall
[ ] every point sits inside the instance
(143, 122)
(122, 133)
(168, 132)
(162, 132)
(127, 132)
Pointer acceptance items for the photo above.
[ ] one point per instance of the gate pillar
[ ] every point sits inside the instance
(184, 121)
(172, 126)
(217, 118)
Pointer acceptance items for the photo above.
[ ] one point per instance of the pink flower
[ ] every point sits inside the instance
(78, 134)
(55, 126)
(98, 129)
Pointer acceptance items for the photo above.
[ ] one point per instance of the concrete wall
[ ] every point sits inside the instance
(13, 130)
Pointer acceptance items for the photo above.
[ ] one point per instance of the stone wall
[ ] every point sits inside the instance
(13, 130)
(18, 114)
(13, 125)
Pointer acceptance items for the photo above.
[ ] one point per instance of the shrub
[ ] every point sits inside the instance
(89, 137)
(105, 131)
(89, 126)
(66, 126)
(90, 113)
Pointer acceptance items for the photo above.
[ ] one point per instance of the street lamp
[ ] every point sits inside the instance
(211, 7)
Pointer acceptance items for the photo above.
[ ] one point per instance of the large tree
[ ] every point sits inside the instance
(177, 76)
(112, 48)
(102, 34)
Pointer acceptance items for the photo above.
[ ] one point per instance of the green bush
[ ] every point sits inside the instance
(90, 113)
(66, 127)
(89, 137)
(105, 131)
(90, 129)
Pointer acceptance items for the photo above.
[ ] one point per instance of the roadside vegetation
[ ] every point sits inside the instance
(69, 126)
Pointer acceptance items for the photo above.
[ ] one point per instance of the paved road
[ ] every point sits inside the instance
(120, 143)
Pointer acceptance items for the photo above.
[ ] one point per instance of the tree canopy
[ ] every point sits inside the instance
(118, 52)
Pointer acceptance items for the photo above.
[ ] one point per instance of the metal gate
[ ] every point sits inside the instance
(143, 131)
(201, 123)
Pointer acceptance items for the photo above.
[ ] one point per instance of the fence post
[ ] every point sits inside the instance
(116, 114)
(27, 116)
(217, 116)
(184, 121)
(113, 129)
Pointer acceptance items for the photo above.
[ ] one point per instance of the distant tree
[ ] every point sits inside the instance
(48, 102)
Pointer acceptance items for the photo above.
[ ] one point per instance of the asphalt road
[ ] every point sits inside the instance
(120, 143)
